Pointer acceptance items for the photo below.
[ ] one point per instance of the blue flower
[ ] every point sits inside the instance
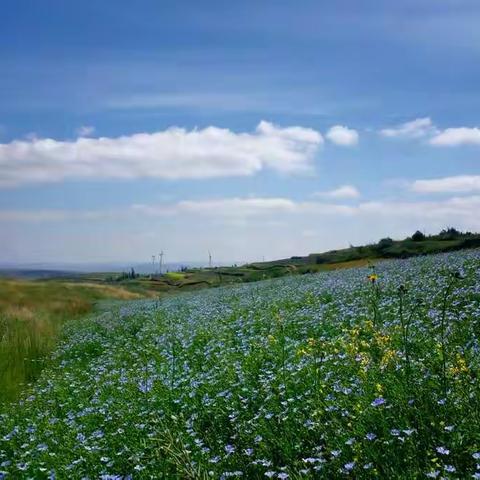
(377, 402)
(145, 385)
(443, 451)
(229, 449)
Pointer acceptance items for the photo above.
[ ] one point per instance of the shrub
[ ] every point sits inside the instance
(385, 243)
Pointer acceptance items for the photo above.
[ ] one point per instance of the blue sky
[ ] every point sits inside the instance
(252, 129)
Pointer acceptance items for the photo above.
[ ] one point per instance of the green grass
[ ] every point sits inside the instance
(175, 276)
(322, 376)
(31, 317)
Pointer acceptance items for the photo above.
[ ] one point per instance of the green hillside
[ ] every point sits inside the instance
(360, 373)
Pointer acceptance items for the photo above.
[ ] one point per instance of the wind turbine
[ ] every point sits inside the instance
(209, 259)
(153, 264)
(160, 261)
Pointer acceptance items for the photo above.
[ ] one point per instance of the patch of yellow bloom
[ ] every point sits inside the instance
(369, 325)
(382, 340)
(373, 277)
(459, 367)
(309, 348)
(388, 357)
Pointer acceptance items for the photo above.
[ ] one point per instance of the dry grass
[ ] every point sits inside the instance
(31, 317)
(363, 262)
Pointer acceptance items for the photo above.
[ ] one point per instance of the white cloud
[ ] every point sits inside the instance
(235, 207)
(449, 210)
(452, 137)
(221, 208)
(57, 215)
(238, 206)
(343, 136)
(85, 131)
(418, 128)
(424, 127)
(174, 153)
(456, 184)
(236, 229)
(345, 191)
(459, 211)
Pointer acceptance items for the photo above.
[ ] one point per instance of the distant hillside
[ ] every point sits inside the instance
(32, 274)
(447, 240)
(143, 282)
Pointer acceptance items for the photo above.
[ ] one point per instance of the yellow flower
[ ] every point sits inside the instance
(354, 332)
(373, 277)
(369, 325)
(459, 367)
(388, 356)
(382, 340)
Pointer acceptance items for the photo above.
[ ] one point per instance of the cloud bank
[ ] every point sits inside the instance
(243, 228)
(453, 209)
(171, 154)
(455, 184)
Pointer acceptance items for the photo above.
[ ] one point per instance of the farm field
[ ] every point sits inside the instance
(362, 373)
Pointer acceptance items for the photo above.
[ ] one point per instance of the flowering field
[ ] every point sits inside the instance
(362, 373)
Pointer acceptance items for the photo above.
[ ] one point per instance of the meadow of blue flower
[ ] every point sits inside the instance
(361, 373)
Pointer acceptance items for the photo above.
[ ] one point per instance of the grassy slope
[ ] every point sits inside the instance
(270, 380)
(32, 313)
(31, 316)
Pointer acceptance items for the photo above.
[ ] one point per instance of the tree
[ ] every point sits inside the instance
(418, 236)
(449, 233)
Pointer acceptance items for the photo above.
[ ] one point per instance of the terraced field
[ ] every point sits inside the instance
(359, 373)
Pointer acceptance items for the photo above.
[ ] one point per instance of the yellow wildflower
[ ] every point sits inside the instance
(459, 367)
(373, 277)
